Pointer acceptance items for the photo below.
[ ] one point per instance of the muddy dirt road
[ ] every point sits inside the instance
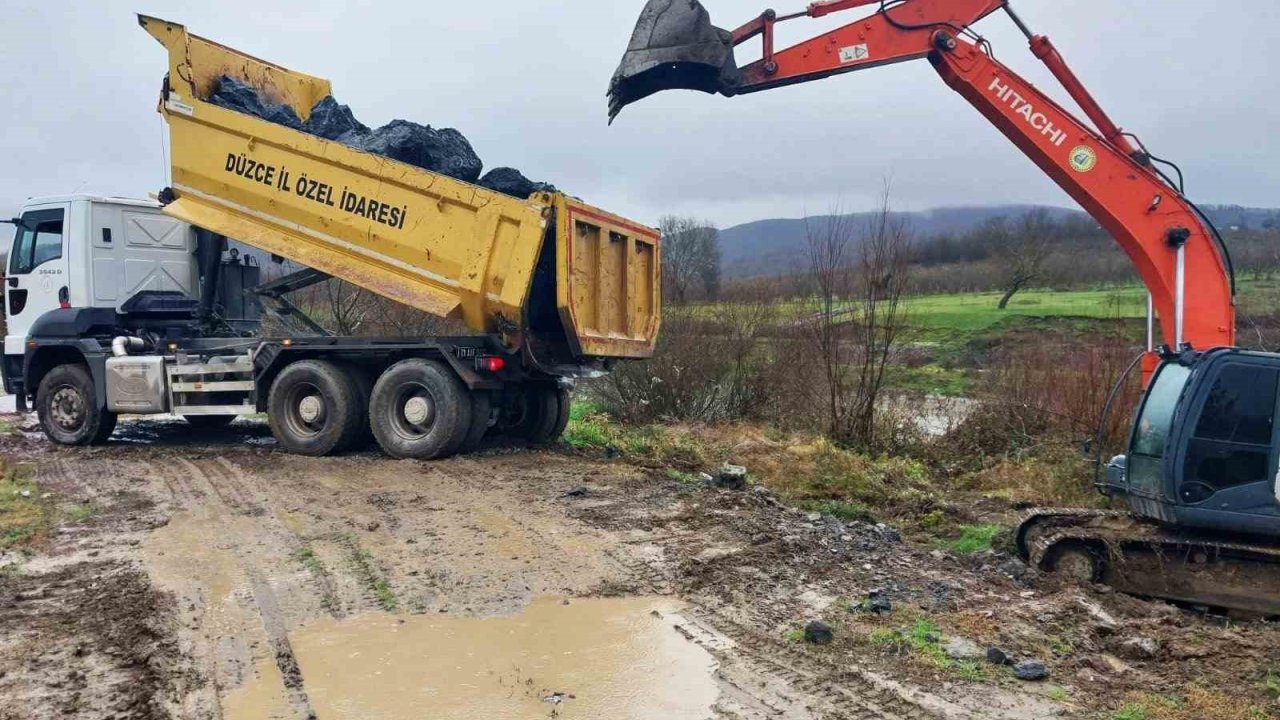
(230, 580)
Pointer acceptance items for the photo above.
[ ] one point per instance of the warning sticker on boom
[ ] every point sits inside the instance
(854, 53)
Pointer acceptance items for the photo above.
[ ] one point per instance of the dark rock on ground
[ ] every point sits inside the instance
(733, 477)
(878, 602)
(510, 181)
(1030, 670)
(996, 656)
(818, 633)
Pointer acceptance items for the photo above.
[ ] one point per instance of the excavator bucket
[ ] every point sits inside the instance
(674, 47)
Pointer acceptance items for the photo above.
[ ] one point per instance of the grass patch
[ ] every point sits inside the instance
(839, 509)
(923, 641)
(681, 476)
(973, 539)
(795, 635)
(367, 572)
(306, 556)
(929, 380)
(1271, 684)
(22, 516)
(1197, 702)
(1057, 694)
(81, 511)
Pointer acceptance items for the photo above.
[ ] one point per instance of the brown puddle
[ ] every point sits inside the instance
(609, 658)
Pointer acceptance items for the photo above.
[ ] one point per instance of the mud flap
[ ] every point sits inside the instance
(674, 47)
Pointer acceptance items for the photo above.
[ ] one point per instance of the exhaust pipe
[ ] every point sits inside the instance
(674, 47)
(121, 346)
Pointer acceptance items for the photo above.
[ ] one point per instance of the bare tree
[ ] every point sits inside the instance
(1021, 250)
(690, 258)
(860, 283)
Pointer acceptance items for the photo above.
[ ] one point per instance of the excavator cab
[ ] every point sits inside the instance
(1205, 446)
(674, 47)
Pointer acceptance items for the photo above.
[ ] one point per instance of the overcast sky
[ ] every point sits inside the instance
(525, 80)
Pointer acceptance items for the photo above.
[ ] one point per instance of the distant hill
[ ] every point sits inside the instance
(778, 246)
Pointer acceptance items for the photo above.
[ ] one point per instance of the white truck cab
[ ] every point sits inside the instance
(89, 251)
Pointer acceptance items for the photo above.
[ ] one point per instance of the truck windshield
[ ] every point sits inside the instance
(1151, 432)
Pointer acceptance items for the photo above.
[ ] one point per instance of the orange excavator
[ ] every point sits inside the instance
(1200, 476)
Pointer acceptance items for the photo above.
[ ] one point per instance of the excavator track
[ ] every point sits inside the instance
(1146, 559)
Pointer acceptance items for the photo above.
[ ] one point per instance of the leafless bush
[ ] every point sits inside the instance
(860, 281)
(1041, 397)
(711, 364)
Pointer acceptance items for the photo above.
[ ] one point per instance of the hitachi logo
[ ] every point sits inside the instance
(1037, 120)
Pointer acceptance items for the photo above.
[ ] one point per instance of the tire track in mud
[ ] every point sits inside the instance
(218, 492)
(846, 694)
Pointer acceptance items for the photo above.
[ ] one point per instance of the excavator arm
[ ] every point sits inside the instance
(1174, 249)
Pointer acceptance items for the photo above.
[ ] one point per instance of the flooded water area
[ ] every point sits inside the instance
(584, 658)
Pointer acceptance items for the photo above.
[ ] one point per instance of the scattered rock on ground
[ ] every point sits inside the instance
(1109, 664)
(996, 656)
(1030, 670)
(818, 633)
(878, 602)
(1138, 648)
(733, 477)
(958, 648)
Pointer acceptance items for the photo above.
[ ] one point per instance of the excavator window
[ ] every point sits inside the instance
(1151, 432)
(1232, 443)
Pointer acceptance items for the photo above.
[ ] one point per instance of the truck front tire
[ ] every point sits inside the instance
(69, 410)
(420, 410)
(314, 408)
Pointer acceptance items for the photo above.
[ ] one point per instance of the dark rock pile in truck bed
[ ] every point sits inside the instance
(445, 150)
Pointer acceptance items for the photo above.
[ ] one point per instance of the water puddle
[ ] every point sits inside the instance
(595, 658)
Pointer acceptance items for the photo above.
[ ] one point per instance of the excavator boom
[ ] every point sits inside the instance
(1176, 253)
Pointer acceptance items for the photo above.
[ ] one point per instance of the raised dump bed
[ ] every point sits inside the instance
(579, 282)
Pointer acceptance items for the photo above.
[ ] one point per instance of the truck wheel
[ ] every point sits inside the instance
(481, 407)
(68, 408)
(363, 434)
(209, 422)
(314, 408)
(545, 414)
(420, 410)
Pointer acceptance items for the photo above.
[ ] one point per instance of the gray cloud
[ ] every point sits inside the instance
(525, 80)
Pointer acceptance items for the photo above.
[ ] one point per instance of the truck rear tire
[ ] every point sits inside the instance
(314, 408)
(420, 410)
(481, 408)
(363, 381)
(545, 414)
(68, 408)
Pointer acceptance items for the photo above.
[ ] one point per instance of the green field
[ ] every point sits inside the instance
(973, 313)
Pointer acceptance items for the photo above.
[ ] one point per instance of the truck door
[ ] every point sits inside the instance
(38, 272)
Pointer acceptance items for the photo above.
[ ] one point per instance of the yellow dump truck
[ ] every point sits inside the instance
(554, 289)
